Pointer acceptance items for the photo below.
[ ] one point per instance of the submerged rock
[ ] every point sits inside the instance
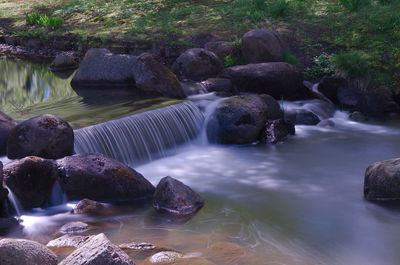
(197, 64)
(26, 252)
(240, 119)
(174, 197)
(90, 207)
(263, 45)
(97, 250)
(74, 228)
(280, 80)
(6, 125)
(274, 132)
(98, 177)
(45, 136)
(226, 253)
(382, 181)
(31, 179)
(301, 116)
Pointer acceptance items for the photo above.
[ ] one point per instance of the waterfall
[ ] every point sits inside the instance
(15, 203)
(142, 137)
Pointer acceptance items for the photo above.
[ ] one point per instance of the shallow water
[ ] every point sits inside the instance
(300, 202)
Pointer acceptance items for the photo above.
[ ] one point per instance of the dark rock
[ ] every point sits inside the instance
(74, 228)
(3, 196)
(45, 136)
(6, 125)
(219, 48)
(101, 68)
(382, 181)
(274, 132)
(197, 64)
(172, 196)
(280, 80)
(97, 250)
(223, 87)
(21, 251)
(262, 45)
(31, 180)
(302, 116)
(329, 86)
(98, 177)
(64, 62)
(348, 97)
(90, 207)
(240, 119)
(358, 116)
(7, 225)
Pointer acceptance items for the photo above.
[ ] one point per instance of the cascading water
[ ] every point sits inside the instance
(142, 137)
(14, 202)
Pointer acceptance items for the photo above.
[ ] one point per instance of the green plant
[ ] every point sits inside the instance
(43, 20)
(232, 60)
(353, 5)
(290, 58)
(352, 65)
(279, 8)
(322, 65)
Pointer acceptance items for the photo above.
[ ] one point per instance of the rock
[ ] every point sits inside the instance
(45, 136)
(21, 251)
(197, 64)
(358, 116)
(382, 181)
(262, 45)
(31, 179)
(74, 228)
(226, 253)
(101, 68)
(240, 119)
(172, 196)
(64, 61)
(7, 225)
(68, 241)
(223, 87)
(348, 97)
(6, 125)
(98, 177)
(3, 196)
(219, 48)
(97, 250)
(142, 251)
(302, 116)
(274, 132)
(329, 86)
(164, 257)
(90, 207)
(280, 80)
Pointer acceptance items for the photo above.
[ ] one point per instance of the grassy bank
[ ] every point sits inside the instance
(312, 28)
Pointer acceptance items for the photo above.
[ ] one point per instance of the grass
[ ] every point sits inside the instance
(313, 27)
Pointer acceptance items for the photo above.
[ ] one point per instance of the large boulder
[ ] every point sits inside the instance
(329, 86)
(240, 119)
(6, 125)
(280, 80)
(382, 181)
(31, 179)
(97, 250)
(197, 64)
(21, 251)
(172, 196)
(98, 177)
(45, 136)
(101, 68)
(262, 45)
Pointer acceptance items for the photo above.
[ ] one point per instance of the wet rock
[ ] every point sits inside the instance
(142, 251)
(197, 64)
(68, 241)
(302, 116)
(329, 86)
(358, 116)
(219, 48)
(102, 68)
(6, 125)
(174, 197)
(31, 179)
(21, 251)
(45, 136)
(98, 177)
(64, 61)
(164, 257)
(240, 119)
(274, 132)
(280, 80)
(7, 225)
(262, 45)
(223, 87)
(90, 207)
(382, 181)
(3, 196)
(74, 228)
(97, 250)
(226, 253)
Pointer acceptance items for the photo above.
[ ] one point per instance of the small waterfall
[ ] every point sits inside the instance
(15, 203)
(142, 137)
(57, 196)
